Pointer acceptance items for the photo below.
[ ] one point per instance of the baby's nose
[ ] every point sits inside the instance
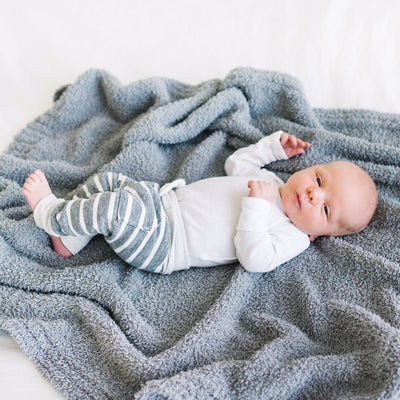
(313, 195)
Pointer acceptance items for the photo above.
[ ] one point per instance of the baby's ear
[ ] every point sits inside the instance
(312, 237)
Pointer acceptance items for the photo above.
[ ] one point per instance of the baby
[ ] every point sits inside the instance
(249, 215)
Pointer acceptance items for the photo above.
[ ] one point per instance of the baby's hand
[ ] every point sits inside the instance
(261, 189)
(292, 145)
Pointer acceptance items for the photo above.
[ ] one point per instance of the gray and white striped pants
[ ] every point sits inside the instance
(129, 214)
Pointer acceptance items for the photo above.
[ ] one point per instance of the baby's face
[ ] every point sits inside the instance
(323, 199)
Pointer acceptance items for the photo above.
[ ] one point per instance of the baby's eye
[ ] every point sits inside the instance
(319, 181)
(326, 210)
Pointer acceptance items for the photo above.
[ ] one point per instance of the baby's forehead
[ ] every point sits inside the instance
(347, 183)
(353, 187)
(345, 170)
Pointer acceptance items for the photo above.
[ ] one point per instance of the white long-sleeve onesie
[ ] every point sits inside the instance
(222, 224)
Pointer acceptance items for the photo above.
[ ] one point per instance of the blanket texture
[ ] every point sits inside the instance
(323, 326)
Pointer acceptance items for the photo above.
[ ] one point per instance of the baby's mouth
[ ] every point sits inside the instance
(298, 200)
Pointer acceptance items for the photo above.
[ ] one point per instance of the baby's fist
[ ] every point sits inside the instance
(261, 189)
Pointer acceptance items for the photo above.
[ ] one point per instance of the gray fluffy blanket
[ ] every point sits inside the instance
(323, 326)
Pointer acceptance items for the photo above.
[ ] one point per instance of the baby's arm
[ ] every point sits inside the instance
(277, 146)
(263, 240)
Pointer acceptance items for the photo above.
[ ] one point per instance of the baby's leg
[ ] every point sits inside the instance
(100, 183)
(93, 206)
(35, 189)
(79, 217)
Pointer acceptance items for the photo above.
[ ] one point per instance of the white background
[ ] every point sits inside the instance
(345, 52)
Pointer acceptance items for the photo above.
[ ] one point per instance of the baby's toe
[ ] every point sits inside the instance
(30, 180)
(40, 175)
(34, 178)
(27, 187)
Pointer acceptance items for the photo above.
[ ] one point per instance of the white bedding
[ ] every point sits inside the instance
(346, 54)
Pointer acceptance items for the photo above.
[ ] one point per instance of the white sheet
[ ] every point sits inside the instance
(19, 379)
(345, 52)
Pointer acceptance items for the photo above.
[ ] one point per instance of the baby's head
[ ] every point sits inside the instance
(332, 199)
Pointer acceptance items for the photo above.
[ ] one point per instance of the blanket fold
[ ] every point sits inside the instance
(324, 325)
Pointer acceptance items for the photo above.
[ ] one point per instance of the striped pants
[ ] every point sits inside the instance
(129, 214)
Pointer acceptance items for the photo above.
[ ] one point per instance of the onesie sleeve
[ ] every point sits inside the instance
(261, 243)
(251, 158)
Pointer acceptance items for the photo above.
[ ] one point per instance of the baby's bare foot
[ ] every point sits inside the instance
(35, 188)
(59, 247)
